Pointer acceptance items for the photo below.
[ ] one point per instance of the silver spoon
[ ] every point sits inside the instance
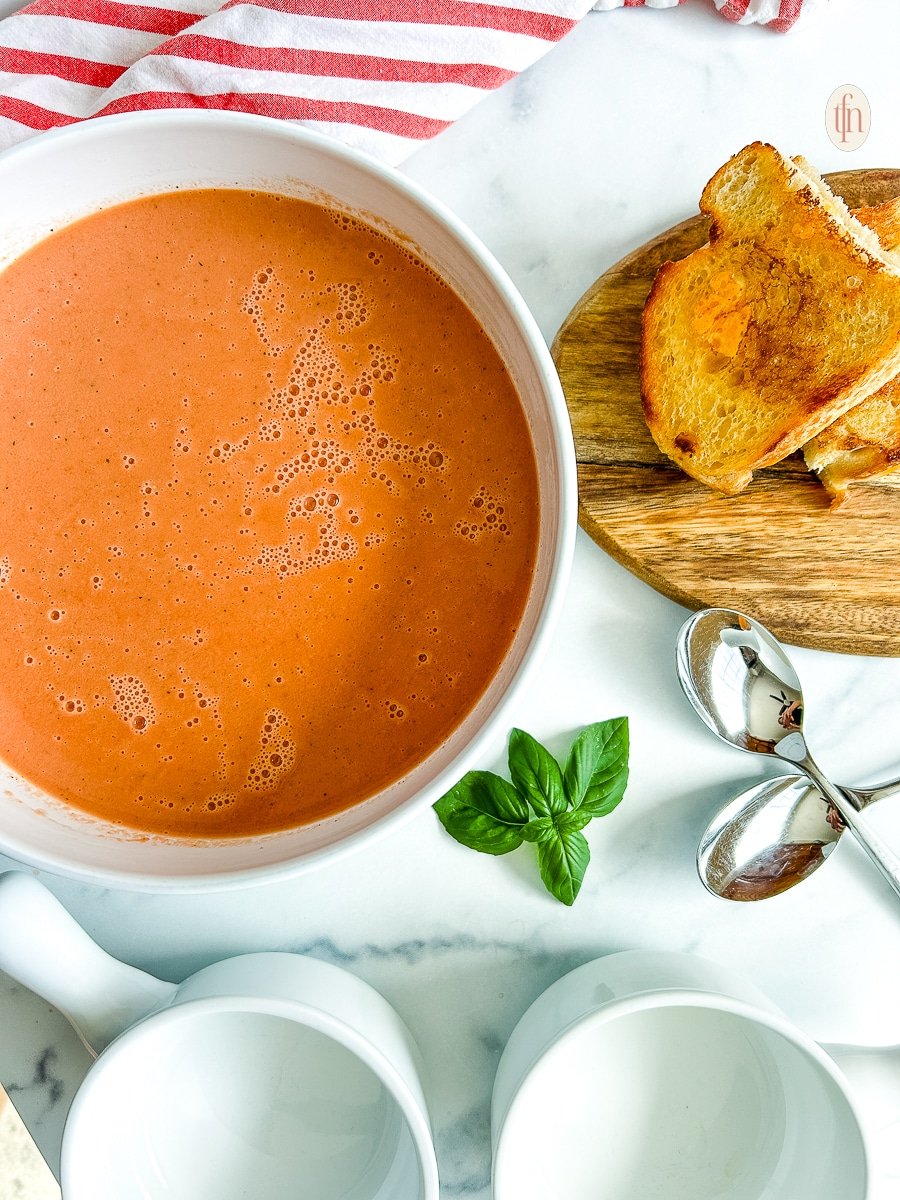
(774, 835)
(742, 685)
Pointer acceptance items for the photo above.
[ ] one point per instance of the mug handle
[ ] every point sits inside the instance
(874, 1076)
(43, 947)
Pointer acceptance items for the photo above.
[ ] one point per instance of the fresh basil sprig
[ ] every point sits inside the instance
(544, 805)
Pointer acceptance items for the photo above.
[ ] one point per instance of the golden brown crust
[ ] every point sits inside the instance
(884, 219)
(648, 366)
(788, 318)
(864, 444)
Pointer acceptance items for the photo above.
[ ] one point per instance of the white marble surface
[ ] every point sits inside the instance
(606, 142)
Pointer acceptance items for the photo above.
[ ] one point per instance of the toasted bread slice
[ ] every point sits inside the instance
(785, 321)
(864, 444)
(884, 221)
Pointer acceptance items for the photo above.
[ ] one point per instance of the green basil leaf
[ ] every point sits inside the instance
(485, 812)
(543, 805)
(597, 768)
(573, 821)
(539, 829)
(536, 774)
(563, 860)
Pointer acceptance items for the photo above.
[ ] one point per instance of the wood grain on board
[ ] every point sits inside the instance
(816, 576)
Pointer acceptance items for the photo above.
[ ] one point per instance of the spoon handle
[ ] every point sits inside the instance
(862, 797)
(793, 748)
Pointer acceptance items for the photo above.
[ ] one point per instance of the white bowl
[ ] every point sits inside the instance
(60, 176)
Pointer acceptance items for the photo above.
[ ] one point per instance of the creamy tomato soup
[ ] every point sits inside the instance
(269, 518)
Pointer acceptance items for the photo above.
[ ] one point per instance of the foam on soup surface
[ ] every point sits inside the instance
(269, 519)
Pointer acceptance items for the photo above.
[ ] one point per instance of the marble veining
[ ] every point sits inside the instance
(43, 1078)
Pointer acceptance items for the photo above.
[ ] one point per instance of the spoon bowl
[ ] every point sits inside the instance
(774, 835)
(767, 839)
(739, 680)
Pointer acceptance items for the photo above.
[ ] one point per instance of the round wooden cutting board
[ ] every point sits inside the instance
(817, 576)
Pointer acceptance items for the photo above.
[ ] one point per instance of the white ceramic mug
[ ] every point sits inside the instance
(661, 1076)
(265, 1075)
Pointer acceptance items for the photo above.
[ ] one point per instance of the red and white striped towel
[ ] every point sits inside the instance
(382, 75)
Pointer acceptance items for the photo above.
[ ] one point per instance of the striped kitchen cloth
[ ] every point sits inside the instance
(382, 75)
